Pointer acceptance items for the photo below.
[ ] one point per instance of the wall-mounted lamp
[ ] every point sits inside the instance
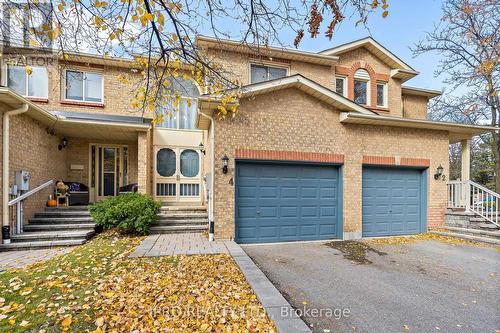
(202, 148)
(225, 159)
(63, 144)
(439, 172)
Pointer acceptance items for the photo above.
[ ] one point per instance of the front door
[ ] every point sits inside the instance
(110, 169)
(177, 174)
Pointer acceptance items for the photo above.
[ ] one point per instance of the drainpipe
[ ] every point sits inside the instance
(5, 171)
(212, 180)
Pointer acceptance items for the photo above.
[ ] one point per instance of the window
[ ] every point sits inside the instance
(165, 162)
(341, 85)
(84, 86)
(32, 85)
(361, 87)
(260, 73)
(190, 163)
(382, 94)
(184, 116)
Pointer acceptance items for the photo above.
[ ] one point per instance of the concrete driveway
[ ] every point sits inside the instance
(425, 286)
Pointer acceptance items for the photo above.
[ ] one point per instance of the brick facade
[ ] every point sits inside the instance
(289, 124)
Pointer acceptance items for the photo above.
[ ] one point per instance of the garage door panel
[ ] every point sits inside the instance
(391, 201)
(305, 207)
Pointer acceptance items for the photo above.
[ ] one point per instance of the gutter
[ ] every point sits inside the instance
(5, 170)
(212, 179)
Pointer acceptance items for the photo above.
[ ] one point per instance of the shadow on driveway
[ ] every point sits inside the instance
(425, 286)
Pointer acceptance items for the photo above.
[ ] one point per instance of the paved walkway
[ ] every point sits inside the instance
(176, 244)
(18, 259)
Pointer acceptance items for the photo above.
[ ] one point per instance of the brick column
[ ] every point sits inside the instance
(142, 161)
(352, 192)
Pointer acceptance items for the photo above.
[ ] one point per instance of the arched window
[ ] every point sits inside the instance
(190, 163)
(362, 87)
(184, 117)
(165, 162)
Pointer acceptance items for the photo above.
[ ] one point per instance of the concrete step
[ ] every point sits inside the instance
(40, 244)
(182, 222)
(65, 209)
(58, 226)
(177, 229)
(74, 213)
(183, 215)
(52, 235)
(63, 220)
(487, 240)
(183, 208)
(475, 232)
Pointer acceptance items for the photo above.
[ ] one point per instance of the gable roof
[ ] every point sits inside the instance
(374, 47)
(429, 93)
(208, 103)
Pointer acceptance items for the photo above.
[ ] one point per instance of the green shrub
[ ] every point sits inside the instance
(130, 213)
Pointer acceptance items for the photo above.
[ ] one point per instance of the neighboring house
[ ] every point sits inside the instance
(324, 145)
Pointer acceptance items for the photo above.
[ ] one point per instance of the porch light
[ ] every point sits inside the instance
(202, 148)
(439, 172)
(63, 144)
(225, 159)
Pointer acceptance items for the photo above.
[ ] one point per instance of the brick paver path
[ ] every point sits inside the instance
(174, 244)
(18, 259)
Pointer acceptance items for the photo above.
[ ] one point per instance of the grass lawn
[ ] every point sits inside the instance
(98, 288)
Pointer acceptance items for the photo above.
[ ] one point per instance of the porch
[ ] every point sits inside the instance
(96, 154)
(472, 209)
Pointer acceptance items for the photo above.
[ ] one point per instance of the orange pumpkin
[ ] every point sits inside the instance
(52, 203)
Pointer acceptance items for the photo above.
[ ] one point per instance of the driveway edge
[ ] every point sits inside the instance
(276, 306)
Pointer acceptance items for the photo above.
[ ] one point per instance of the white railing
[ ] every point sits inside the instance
(474, 198)
(18, 201)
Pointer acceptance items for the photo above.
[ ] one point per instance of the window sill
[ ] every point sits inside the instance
(378, 109)
(38, 99)
(78, 103)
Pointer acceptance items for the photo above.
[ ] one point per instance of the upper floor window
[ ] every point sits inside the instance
(382, 94)
(261, 73)
(84, 86)
(182, 116)
(32, 83)
(361, 87)
(341, 85)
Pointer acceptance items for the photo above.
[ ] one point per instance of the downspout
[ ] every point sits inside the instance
(5, 171)
(212, 179)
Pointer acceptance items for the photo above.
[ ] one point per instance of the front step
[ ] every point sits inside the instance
(60, 220)
(182, 216)
(55, 213)
(52, 235)
(60, 226)
(15, 246)
(67, 209)
(176, 229)
(183, 222)
(474, 238)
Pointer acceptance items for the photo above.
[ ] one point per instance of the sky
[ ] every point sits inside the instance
(406, 24)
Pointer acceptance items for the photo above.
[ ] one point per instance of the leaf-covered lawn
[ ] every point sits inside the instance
(98, 288)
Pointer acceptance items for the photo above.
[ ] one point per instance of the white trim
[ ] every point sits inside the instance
(407, 90)
(83, 71)
(265, 64)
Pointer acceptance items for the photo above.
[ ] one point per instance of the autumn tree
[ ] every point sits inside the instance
(468, 41)
(161, 34)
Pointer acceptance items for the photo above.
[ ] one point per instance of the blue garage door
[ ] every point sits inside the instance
(392, 200)
(286, 202)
